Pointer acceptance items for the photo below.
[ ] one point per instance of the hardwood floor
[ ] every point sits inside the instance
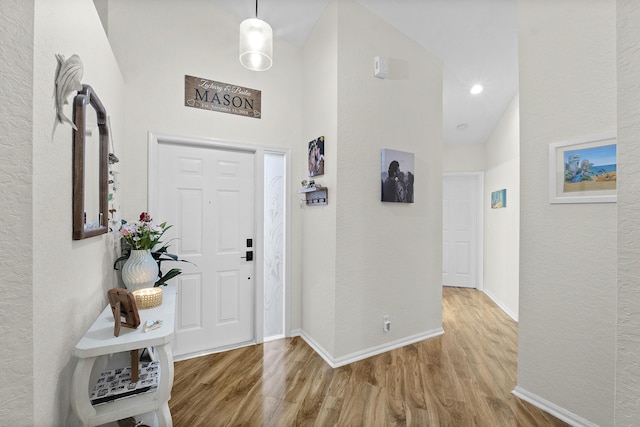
(462, 378)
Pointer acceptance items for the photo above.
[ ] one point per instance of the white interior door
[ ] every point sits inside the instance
(460, 214)
(207, 194)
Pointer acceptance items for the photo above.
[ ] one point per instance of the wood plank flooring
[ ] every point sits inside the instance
(462, 378)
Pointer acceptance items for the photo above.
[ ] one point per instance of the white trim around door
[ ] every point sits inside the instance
(154, 139)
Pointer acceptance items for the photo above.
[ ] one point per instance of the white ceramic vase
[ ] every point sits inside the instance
(140, 270)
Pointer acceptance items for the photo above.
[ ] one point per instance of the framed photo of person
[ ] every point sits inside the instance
(316, 157)
(397, 176)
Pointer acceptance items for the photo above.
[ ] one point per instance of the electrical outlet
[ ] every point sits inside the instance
(386, 324)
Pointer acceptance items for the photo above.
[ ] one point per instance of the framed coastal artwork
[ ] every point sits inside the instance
(499, 199)
(583, 171)
(397, 176)
(316, 157)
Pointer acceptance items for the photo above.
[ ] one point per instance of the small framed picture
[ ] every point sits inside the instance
(397, 176)
(316, 157)
(499, 199)
(583, 171)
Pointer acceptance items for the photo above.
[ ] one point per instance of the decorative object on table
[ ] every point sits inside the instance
(148, 297)
(316, 157)
(145, 235)
(150, 325)
(583, 171)
(140, 271)
(397, 176)
(124, 309)
(499, 199)
(67, 80)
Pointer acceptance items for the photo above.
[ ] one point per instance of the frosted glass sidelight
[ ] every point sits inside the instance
(274, 222)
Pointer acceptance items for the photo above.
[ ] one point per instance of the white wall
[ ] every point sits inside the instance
(365, 259)
(502, 226)
(16, 212)
(463, 158)
(567, 319)
(195, 38)
(320, 100)
(70, 278)
(628, 324)
(388, 255)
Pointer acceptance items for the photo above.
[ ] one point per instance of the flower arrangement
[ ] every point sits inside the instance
(144, 234)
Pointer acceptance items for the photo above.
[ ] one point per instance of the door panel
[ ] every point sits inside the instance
(460, 212)
(188, 304)
(207, 194)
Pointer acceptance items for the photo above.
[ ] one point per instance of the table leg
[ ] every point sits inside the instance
(165, 359)
(80, 403)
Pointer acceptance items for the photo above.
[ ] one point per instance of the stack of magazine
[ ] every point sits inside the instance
(116, 384)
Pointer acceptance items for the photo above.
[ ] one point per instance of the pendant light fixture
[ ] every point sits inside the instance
(256, 43)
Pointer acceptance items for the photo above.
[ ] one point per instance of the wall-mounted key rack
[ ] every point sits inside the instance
(315, 196)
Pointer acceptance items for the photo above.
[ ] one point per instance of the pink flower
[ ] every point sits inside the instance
(144, 234)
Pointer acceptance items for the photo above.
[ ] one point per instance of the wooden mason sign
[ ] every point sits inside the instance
(222, 97)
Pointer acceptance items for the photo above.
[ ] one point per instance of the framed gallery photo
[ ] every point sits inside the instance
(499, 199)
(397, 176)
(583, 171)
(316, 156)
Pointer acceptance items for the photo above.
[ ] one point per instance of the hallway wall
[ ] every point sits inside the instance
(319, 101)
(388, 255)
(16, 212)
(70, 277)
(502, 226)
(463, 158)
(628, 310)
(499, 159)
(360, 254)
(567, 322)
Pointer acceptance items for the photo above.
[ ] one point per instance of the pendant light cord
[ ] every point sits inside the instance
(256, 8)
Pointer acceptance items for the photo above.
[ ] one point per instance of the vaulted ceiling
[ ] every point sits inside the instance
(475, 39)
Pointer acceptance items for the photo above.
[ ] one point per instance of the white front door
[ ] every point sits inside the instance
(460, 213)
(207, 194)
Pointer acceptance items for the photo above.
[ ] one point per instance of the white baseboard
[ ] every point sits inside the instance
(364, 354)
(552, 408)
(501, 305)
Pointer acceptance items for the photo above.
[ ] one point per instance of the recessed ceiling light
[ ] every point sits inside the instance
(476, 89)
(462, 126)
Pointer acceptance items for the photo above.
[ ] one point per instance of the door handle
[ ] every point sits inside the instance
(248, 256)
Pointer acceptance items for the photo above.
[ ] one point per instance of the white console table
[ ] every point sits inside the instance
(100, 341)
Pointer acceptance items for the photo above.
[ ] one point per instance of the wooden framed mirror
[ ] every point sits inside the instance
(90, 165)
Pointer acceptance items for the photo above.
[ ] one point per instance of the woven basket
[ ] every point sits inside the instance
(148, 297)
